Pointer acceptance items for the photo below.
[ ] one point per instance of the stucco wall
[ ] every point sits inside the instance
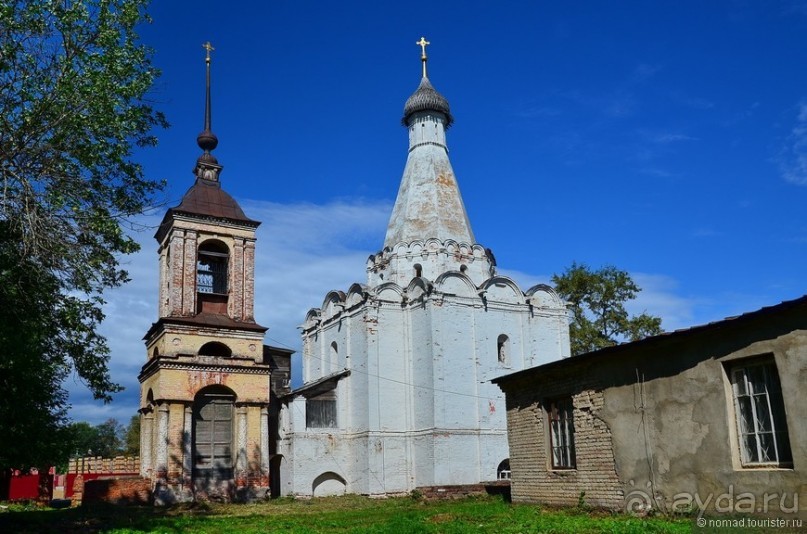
(676, 438)
(655, 425)
(418, 408)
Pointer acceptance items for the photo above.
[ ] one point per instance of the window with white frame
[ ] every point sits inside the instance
(561, 433)
(760, 413)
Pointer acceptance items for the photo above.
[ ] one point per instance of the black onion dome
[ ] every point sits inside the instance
(426, 98)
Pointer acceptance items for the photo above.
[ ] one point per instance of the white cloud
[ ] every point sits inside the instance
(793, 160)
(658, 296)
(526, 280)
(303, 251)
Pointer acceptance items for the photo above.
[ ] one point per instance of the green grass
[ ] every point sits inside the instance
(348, 514)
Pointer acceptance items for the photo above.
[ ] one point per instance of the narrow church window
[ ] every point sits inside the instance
(334, 357)
(418, 270)
(760, 413)
(561, 433)
(211, 268)
(502, 349)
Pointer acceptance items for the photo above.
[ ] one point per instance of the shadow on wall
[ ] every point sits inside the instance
(121, 491)
(328, 484)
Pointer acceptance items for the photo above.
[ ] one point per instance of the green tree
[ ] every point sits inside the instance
(73, 109)
(109, 439)
(131, 441)
(82, 438)
(597, 302)
(105, 439)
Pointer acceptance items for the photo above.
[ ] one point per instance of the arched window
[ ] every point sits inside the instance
(418, 270)
(211, 268)
(215, 349)
(503, 471)
(503, 349)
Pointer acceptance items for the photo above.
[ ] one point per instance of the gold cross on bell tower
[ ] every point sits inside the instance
(209, 47)
(422, 43)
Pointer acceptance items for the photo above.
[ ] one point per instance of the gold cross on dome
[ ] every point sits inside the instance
(422, 43)
(209, 47)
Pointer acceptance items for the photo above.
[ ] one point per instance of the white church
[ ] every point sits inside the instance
(397, 371)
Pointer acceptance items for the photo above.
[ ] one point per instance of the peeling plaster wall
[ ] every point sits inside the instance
(655, 426)
(686, 442)
(418, 408)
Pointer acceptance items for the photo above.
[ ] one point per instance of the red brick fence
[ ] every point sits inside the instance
(112, 480)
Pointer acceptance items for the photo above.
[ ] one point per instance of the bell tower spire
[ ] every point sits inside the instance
(205, 386)
(207, 166)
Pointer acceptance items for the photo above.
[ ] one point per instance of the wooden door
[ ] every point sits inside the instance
(213, 443)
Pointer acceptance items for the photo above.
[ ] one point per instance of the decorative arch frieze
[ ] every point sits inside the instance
(333, 304)
(456, 283)
(357, 294)
(502, 289)
(543, 296)
(389, 291)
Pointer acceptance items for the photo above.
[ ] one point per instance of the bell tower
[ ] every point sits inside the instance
(205, 389)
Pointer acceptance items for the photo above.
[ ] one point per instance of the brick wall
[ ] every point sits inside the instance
(533, 479)
(129, 490)
(97, 464)
(500, 487)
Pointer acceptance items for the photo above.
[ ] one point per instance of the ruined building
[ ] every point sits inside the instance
(397, 392)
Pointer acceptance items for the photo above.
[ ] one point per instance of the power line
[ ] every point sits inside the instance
(401, 382)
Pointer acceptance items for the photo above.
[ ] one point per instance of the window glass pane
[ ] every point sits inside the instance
(762, 413)
(746, 415)
(767, 449)
(749, 443)
(756, 379)
(738, 381)
(783, 445)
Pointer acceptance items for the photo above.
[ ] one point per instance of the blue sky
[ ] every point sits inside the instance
(666, 138)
